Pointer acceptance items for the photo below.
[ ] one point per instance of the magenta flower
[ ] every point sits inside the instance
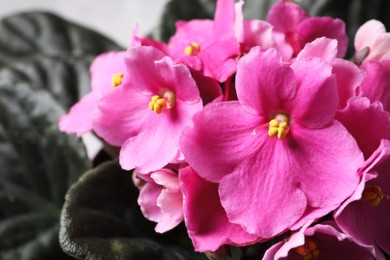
(208, 46)
(161, 200)
(364, 216)
(107, 71)
(147, 115)
(276, 152)
(376, 84)
(372, 35)
(206, 220)
(321, 241)
(297, 28)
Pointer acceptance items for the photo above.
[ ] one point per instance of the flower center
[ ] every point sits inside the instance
(373, 194)
(166, 102)
(117, 79)
(192, 49)
(279, 126)
(308, 251)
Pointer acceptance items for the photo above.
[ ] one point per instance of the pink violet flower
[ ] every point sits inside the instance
(372, 35)
(376, 84)
(276, 153)
(297, 28)
(205, 219)
(322, 241)
(364, 216)
(161, 200)
(209, 46)
(147, 115)
(108, 71)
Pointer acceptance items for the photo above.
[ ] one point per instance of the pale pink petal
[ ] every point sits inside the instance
(263, 83)
(349, 78)
(368, 33)
(380, 49)
(147, 201)
(323, 48)
(79, 118)
(166, 178)
(315, 27)
(171, 204)
(367, 122)
(206, 220)
(228, 127)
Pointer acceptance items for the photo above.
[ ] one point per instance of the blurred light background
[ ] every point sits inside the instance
(113, 18)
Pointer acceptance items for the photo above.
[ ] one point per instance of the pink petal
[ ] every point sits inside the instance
(209, 88)
(292, 15)
(229, 128)
(199, 31)
(104, 67)
(375, 85)
(349, 78)
(322, 48)
(79, 118)
(328, 171)
(225, 15)
(206, 220)
(219, 59)
(121, 114)
(316, 27)
(261, 194)
(263, 83)
(365, 223)
(367, 122)
(256, 33)
(316, 99)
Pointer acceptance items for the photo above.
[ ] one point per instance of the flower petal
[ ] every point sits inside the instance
(228, 127)
(206, 220)
(263, 83)
(79, 118)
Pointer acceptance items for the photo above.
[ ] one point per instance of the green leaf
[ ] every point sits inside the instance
(102, 220)
(49, 53)
(32, 33)
(66, 78)
(38, 164)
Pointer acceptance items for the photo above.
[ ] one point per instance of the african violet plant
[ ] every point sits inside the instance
(239, 138)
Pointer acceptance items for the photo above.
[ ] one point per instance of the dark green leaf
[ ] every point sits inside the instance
(102, 220)
(38, 164)
(66, 78)
(31, 33)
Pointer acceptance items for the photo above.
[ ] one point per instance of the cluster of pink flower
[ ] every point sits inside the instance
(250, 129)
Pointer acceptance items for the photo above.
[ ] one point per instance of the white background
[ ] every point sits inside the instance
(113, 18)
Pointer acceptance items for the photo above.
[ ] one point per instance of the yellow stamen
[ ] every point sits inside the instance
(158, 104)
(373, 194)
(117, 79)
(308, 251)
(192, 49)
(279, 126)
